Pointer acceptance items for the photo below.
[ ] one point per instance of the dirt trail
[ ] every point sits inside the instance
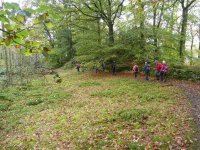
(191, 90)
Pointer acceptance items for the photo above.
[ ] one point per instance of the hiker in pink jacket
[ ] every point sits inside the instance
(135, 70)
(163, 71)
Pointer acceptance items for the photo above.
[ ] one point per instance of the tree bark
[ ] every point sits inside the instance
(192, 38)
(199, 42)
(7, 67)
(185, 4)
(99, 30)
(10, 65)
(142, 19)
(111, 34)
(155, 43)
(192, 43)
(183, 32)
(51, 41)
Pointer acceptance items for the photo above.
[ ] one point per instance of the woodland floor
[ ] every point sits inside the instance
(100, 111)
(191, 90)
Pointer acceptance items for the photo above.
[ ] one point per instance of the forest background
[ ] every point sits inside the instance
(54, 33)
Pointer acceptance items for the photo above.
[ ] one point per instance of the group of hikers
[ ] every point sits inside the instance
(161, 69)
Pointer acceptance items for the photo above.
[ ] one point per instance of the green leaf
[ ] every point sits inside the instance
(29, 11)
(55, 16)
(3, 19)
(7, 41)
(18, 40)
(36, 44)
(2, 42)
(43, 17)
(49, 25)
(43, 8)
(27, 52)
(12, 6)
(28, 43)
(2, 12)
(36, 21)
(31, 32)
(20, 18)
(24, 33)
(8, 27)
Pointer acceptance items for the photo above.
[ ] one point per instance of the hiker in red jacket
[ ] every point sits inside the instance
(158, 69)
(135, 70)
(163, 71)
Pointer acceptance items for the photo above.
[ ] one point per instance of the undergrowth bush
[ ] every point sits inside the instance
(185, 73)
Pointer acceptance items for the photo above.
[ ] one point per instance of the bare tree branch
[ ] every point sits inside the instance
(161, 14)
(102, 13)
(117, 10)
(4, 31)
(84, 12)
(188, 5)
(49, 35)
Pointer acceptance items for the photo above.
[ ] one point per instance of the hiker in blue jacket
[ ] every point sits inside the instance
(147, 70)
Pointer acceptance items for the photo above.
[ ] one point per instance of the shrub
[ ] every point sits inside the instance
(185, 73)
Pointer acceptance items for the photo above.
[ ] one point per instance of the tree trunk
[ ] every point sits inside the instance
(70, 43)
(110, 24)
(21, 67)
(51, 41)
(142, 37)
(183, 32)
(199, 42)
(7, 67)
(99, 31)
(172, 20)
(154, 30)
(10, 65)
(192, 43)
(70, 39)
(111, 34)
(142, 19)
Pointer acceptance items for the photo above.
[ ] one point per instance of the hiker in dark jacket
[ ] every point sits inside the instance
(113, 66)
(147, 70)
(78, 65)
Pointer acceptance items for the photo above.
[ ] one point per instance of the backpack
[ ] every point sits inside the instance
(78, 66)
(148, 68)
(164, 68)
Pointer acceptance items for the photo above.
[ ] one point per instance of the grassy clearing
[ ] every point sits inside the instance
(84, 112)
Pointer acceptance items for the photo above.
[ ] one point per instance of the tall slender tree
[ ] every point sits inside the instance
(186, 5)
